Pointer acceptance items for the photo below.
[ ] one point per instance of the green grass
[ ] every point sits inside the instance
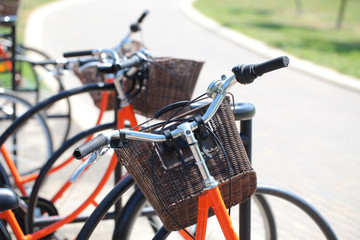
(311, 34)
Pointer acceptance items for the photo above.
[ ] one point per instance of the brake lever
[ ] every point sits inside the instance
(90, 160)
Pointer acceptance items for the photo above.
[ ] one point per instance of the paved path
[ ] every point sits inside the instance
(306, 130)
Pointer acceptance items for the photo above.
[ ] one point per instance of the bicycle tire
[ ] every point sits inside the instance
(291, 198)
(33, 111)
(303, 205)
(287, 196)
(22, 49)
(30, 224)
(134, 207)
(4, 234)
(4, 179)
(12, 107)
(49, 101)
(111, 198)
(43, 90)
(29, 78)
(132, 210)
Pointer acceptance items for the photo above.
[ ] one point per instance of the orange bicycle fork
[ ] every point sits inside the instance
(211, 197)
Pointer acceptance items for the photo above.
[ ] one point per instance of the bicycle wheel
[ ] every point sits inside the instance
(4, 234)
(32, 52)
(138, 220)
(108, 201)
(33, 112)
(67, 198)
(293, 215)
(299, 229)
(49, 83)
(308, 230)
(130, 226)
(20, 143)
(37, 82)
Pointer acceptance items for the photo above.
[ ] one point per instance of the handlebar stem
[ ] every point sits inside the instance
(112, 53)
(186, 131)
(119, 89)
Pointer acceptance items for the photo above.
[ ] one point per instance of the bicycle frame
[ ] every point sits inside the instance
(123, 114)
(19, 180)
(212, 198)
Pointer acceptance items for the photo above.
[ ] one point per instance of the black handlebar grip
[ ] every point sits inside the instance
(246, 74)
(46, 62)
(78, 53)
(132, 61)
(271, 65)
(143, 15)
(90, 146)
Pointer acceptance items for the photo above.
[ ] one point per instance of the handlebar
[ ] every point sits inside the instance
(65, 62)
(135, 27)
(134, 60)
(143, 15)
(246, 74)
(79, 53)
(216, 90)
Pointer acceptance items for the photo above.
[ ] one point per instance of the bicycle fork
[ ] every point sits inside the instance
(211, 197)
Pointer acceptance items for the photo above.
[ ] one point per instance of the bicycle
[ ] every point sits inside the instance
(32, 203)
(133, 145)
(58, 68)
(38, 107)
(23, 69)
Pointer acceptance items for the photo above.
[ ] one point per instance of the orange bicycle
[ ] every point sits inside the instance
(123, 116)
(177, 165)
(17, 152)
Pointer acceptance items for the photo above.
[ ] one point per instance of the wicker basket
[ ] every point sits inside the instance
(91, 75)
(177, 189)
(9, 7)
(170, 80)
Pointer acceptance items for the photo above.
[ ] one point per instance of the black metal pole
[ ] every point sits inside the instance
(245, 207)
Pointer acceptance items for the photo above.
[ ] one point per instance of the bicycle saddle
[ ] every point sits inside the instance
(8, 199)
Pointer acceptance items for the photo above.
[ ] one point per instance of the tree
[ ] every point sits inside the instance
(298, 5)
(341, 14)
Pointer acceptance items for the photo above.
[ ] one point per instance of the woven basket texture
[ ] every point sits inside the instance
(170, 80)
(9, 7)
(174, 195)
(91, 75)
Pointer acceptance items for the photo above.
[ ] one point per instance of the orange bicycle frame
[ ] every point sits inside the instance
(212, 198)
